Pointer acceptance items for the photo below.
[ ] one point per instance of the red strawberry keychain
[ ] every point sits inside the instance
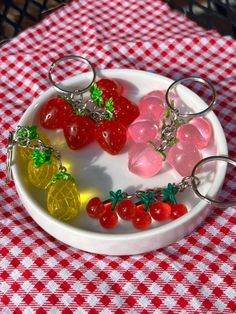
(68, 110)
(111, 133)
(104, 116)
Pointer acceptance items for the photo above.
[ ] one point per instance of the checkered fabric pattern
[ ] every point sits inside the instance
(38, 274)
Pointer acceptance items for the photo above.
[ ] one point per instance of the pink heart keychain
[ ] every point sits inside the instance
(146, 159)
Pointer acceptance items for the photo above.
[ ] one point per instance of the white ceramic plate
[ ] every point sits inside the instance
(96, 173)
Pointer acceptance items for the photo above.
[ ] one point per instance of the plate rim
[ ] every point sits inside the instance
(90, 233)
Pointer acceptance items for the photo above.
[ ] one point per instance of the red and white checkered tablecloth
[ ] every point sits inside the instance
(38, 274)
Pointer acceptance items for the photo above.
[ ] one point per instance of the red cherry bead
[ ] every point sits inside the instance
(178, 210)
(55, 113)
(141, 220)
(126, 209)
(108, 219)
(160, 211)
(79, 131)
(95, 207)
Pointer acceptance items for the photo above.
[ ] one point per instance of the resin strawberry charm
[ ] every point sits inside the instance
(55, 113)
(125, 111)
(79, 131)
(111, 136)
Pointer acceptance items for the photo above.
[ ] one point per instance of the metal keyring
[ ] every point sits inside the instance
(194, 79)
(9, 156)
(76, 91)
(195, 185)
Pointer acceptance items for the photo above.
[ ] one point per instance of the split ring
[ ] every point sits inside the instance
(77, 91)
(194, 79)
(195, 185)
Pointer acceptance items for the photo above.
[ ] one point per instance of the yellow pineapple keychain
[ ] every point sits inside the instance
(26, 134)
(45, 171)
(41, 168)
(63, 199)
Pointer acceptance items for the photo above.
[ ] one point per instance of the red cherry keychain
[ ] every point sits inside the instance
(140, 208)
(143, 208)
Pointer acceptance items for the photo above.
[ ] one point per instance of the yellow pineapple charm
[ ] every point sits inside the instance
(63, 201)
(33, 134)
(41, 174)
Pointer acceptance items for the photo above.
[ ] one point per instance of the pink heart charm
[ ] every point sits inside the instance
(189, 133)
(204, 127)
(152, 106)
(143, 131)
(143, 160)
(198, 132)
(183, 157)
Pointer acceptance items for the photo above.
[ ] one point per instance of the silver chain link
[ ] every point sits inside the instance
(168, 133)
(157, 192)
(87, 108)
(186, 182)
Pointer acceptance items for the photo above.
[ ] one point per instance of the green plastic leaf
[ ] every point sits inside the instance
(147, 199)
(173, 142)
(41, 157)
(96, 95)
(62, 175)
(172, 102)
(163, 154)
(169, 193)
(115, 197)
(28, 132)
(110, 105)
(162, 129)
(168, 113)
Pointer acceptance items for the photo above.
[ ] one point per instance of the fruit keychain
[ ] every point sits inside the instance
(45, 171)
(142, 208)
(29, 133)
(177, 138)
(103, 116)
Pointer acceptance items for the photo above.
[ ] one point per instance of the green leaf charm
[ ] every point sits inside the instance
(169, 193)
(146, 199)
(28, 132)
(41, 157)
(167, 113)
(62, 175)
(109, 106)
(115, 198)
(96, 95)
